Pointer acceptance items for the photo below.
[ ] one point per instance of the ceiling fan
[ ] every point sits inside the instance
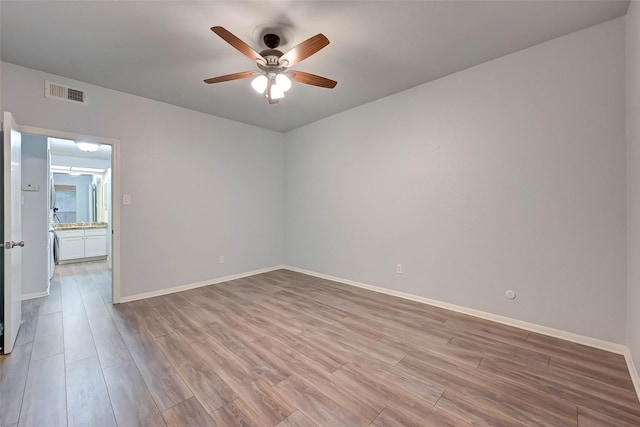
(274, 76)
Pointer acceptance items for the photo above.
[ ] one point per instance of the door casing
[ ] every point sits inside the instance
(115, 193)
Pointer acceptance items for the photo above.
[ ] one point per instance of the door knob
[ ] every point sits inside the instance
(10, 245)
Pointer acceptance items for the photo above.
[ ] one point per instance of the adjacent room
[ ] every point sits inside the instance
(319, 213)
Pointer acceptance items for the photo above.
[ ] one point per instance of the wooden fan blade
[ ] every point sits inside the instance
(304, 50)
(228, 77)
(312, 79)
(234, 41)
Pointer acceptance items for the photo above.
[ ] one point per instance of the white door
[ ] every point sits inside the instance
(12, 231)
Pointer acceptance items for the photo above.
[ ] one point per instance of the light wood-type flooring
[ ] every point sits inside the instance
(285, 349)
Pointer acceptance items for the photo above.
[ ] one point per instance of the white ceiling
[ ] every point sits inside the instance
(163, 50)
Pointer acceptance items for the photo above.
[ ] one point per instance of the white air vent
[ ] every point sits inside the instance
(59, 91)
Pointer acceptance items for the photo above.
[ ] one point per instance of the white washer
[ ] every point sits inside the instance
(52, 245)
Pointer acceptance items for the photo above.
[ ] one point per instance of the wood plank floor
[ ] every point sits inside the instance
(284, 349)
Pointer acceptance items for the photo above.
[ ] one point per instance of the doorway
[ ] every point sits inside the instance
(81, 217)
(80, 175)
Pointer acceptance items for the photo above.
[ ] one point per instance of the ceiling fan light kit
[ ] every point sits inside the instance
(283, 82)
(274, 77)
(259, 84)
(272, 86)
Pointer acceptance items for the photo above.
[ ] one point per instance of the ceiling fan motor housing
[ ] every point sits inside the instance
(271, 55)
(271, 41)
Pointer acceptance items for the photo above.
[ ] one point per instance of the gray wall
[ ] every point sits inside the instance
(201, 186)
(508, 175)
(633, 179)
(35, 216)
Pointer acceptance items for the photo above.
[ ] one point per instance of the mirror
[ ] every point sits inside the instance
(79, 198)
(80, 183)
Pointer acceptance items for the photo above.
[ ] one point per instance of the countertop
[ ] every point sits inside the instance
(79, 225)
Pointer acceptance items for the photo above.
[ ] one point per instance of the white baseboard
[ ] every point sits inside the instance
(633, 372)
(197, 285)
(556, 333)
(35, 295)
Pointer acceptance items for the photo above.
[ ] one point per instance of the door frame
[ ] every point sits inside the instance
(115, 193)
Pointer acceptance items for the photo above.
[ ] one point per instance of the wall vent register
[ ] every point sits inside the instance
(65, 93)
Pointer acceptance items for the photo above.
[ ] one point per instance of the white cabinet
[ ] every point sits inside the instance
(84, 243)
(71, 244)
(95, 242)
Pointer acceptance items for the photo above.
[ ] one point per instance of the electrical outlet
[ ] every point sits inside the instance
(399, 268)
(222, 259)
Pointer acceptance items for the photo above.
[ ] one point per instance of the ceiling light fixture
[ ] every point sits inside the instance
(275, 92)
(89, 147)
(283, 82)
(77, 170)
(273, 86)
(274, 77)
(259, 84)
